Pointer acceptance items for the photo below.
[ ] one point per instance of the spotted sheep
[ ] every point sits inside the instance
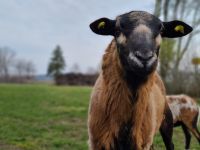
(128, 103)
(185, 113)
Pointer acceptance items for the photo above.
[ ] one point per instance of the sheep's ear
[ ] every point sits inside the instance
(103, 26)
(175, 29)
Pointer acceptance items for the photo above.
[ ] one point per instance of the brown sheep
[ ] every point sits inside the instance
(185, 113)
(128, 102)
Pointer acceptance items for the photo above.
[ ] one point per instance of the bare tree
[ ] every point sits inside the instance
(29, 69)
(157, 9)
(24, 68)
(20, 67)
(6, 61)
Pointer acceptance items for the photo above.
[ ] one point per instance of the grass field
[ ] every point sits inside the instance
(46, 117)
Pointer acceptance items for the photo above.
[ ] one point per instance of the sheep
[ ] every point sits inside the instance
(128, 102)
(185, 113)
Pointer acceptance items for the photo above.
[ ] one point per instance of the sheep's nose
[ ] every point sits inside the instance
(144, 56)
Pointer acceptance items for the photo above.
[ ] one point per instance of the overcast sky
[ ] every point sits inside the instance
(33, 28)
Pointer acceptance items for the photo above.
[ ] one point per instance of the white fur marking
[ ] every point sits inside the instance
(175, 109)
(176, 105)
(152, 60)
(158, 40)
(121, 39)
(135, 59)
(142, 28)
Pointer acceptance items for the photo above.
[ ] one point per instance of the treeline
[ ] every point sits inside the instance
(76, 79)
(14, 69)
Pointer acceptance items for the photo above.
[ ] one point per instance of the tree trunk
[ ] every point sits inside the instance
(157, 10)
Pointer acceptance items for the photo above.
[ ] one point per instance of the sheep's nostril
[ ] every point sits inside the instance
(144, 56)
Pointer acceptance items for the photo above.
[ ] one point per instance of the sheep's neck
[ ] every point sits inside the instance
(118, 80)
(134, 81)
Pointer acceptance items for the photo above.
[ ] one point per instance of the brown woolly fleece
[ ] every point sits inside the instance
(112, 105)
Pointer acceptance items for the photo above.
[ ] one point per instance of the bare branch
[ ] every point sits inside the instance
(6, 60)
(157, 8)
(166, 9)
(176, 9)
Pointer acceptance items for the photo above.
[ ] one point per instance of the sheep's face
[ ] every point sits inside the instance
(138, 40)
(138, 37)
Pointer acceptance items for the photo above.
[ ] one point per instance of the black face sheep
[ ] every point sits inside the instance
(128, 104)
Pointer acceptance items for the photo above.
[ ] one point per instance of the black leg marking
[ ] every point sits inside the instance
(187, 136)
(166, 130)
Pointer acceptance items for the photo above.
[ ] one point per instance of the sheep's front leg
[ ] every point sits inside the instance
(187, 136)
(166, 129)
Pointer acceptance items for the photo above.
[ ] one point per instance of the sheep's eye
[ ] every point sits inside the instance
(117, 32)
(122, 25)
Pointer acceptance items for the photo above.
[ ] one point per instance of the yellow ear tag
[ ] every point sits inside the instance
(101, 25)
(179, 28)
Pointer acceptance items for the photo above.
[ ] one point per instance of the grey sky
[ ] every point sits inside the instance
(32, 28)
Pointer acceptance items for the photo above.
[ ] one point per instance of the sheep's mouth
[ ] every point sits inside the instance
(142, 65)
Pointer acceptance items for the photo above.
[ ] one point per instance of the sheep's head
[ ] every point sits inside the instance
(138, 37)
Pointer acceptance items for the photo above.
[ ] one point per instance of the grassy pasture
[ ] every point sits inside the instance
(46, 117)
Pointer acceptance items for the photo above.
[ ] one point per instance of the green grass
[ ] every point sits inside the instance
(46, 117)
